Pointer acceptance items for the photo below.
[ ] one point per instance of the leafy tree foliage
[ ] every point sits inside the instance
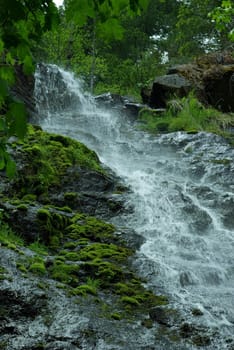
(224, 18)
(21, 24)
(195, 31)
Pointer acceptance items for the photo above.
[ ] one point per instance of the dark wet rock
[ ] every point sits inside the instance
(166, 86)
(201, 340)
(187, 330)
(197, 312)
(211, 77)
(110, 100)
(145, 94)
(120, 103)
(130, 237)
(198, 335)
(93, 193)
(23, 89)
(186, 279)
(133, 109)
(219, 88)
(164, 316)
(199, 220)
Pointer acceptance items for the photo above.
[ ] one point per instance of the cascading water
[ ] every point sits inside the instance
(182, 194)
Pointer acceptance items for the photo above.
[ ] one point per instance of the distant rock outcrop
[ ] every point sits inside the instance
(211, 77)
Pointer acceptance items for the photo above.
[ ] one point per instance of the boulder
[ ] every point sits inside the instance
(166, 86)
(211, 77)
(219, 87)
(109, 99)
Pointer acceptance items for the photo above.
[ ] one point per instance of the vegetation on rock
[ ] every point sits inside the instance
(80, 253)
(51, 156)
(186, 114)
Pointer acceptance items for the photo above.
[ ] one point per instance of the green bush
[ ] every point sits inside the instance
(185, 114)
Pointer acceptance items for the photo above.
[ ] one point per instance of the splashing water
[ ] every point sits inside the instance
(182, 194)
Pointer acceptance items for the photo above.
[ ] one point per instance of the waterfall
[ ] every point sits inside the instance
(182, 195)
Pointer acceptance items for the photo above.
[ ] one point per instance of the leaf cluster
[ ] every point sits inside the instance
(21, 25)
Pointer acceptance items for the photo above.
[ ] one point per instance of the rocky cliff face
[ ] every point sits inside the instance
(23, 89)
(211, 77)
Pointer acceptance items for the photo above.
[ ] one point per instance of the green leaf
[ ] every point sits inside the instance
(80, 10)
(2, 162)
(10, 168)
(28, 67)
(22, 51)
(111, 29)
(9, 59)
(3, 88)
(1, 46)
(7, 74)
(2, 124)
(19, 124)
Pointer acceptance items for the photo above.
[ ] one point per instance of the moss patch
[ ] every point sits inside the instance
(9, 239)
(49, 157)
(80, 253)
(3, 273)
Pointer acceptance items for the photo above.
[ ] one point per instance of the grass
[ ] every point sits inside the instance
(9, 238)
(186, 114)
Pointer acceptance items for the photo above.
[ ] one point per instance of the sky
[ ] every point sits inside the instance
(58, 2)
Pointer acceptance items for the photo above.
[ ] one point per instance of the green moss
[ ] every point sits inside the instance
(147, 323)
(130, 300)
(83, 241)
(42, 285)
(52, 223)
(60, 259)
(43, 215)
(3, 345)
(21, 267)
(221, 161)
(54, 242)
(3, 273)
(37, 266)
(66, 209)
(2, 270)
(70, 196)
(84, 289)
(65, 273)
(201, 340)
(22, 207)
(105, 271)
(9, 238)
(116, 316)
(49, 156)
(38, 248)
(83, 226)
(104, 251)
(29, 198)
(11, 246)
(72, 256)
(124, 289)
(70, 245)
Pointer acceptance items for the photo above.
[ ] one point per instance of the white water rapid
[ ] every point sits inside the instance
(182, 197)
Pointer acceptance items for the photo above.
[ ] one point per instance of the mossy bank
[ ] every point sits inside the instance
(69, 272)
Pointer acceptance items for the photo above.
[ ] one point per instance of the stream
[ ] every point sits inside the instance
(181, 200)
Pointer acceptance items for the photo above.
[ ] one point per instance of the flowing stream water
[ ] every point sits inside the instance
(182, 195)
